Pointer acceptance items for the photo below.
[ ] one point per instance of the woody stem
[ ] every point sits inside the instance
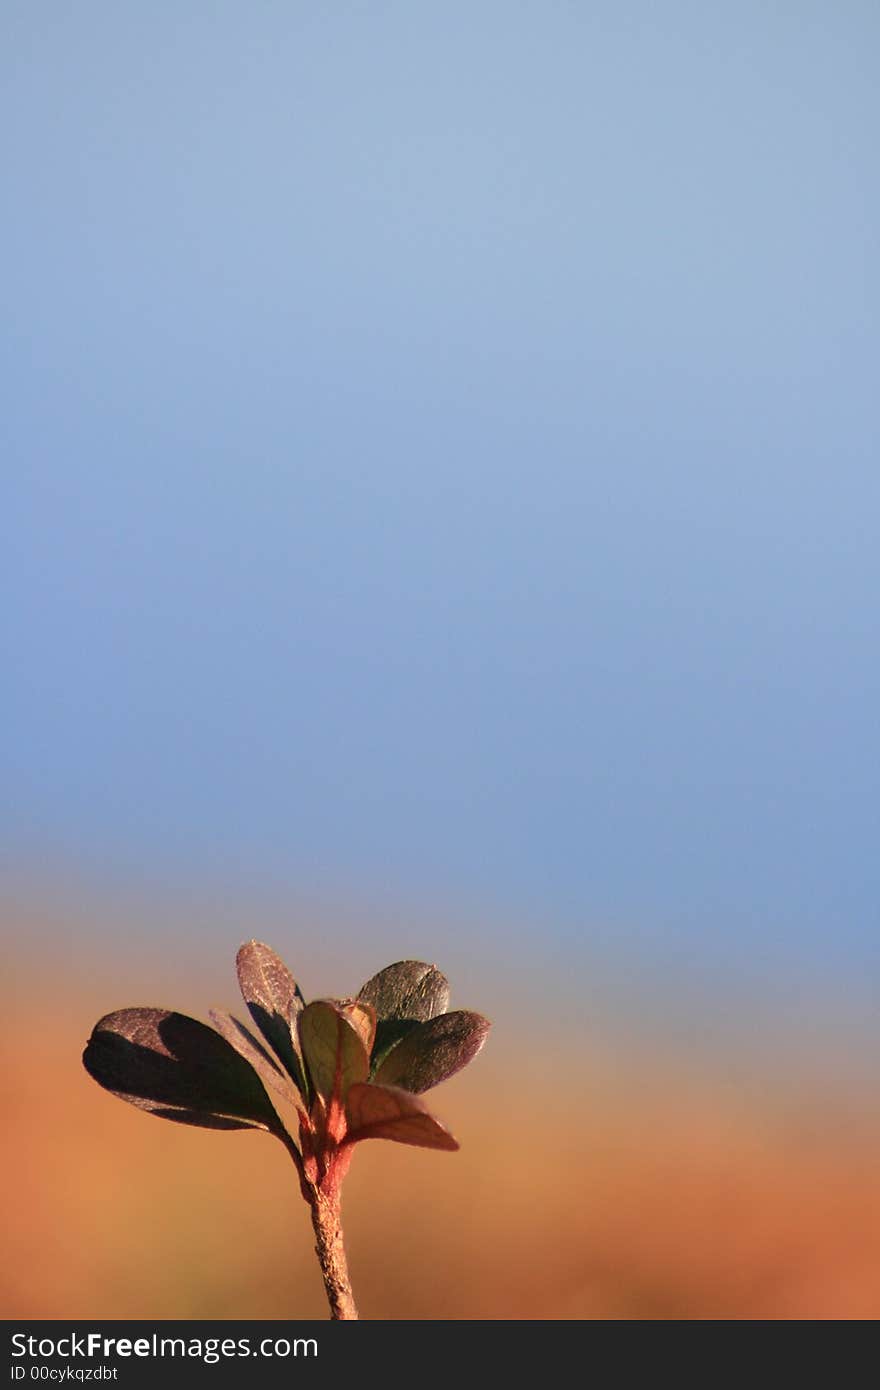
(326, 1219)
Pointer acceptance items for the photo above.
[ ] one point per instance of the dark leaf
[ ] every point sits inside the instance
(409, 989)
(385, 1112)
(178, 1068)
(333, 1047)
(274, 999)
(389, 1032)
(192, 1117)
(403, 995)
(248, 1047)
(433, 1051)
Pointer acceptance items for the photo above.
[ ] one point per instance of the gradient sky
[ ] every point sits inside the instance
(441, 457)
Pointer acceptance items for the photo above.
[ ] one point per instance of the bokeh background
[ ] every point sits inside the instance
(439, 519)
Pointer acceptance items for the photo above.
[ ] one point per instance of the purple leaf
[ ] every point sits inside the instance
(410, 989)
(178, 1068)
(274, 1000)
(433, 1051)
(247, 1046)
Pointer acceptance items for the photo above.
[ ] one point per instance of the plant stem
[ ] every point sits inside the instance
(330, 1248)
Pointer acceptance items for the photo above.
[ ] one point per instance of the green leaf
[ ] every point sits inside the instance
(385, 1112)
(179, 1069)
(275, 1001)
(410, 989)
(248, 1047)
(333, 1048)
(433, 1051)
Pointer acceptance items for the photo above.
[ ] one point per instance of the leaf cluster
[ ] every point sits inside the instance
(350, 1069)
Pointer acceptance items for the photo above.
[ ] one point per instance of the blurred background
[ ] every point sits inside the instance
(439, 519)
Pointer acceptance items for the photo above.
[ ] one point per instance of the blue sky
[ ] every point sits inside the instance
(441, 459)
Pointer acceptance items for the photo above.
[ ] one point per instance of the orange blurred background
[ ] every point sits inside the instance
(601, 1174)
